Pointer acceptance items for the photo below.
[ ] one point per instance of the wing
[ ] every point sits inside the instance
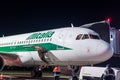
(12, 59)
(45, 55)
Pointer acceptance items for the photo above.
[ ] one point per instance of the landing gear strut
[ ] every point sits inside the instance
(36, 72)
(75, 70)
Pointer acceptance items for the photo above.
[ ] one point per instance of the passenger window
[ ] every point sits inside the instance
(85, 36)
(79, 37)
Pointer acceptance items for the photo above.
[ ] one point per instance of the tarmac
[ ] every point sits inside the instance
(23, 76)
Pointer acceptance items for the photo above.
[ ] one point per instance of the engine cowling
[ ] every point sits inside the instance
(1, 63)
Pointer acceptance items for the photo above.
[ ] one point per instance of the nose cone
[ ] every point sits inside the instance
(104, 51)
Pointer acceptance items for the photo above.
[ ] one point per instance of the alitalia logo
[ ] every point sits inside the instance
(40, 35)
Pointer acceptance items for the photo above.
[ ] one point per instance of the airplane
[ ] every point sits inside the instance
(63, 46)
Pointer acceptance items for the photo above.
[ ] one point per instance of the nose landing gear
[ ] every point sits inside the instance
(74, 70)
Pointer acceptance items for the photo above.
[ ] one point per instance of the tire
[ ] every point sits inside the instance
(33, 74)
(75, 78)
(39, 74)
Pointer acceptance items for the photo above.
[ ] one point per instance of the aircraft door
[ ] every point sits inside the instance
(61, 39)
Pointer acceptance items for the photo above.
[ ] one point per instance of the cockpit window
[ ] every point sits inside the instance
(87, 36)
(94, 36)
(82, 36)
(79, 37)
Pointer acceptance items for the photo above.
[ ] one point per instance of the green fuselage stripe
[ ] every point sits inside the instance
(22, 48)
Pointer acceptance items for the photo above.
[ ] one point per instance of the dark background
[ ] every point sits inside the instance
(29, 15)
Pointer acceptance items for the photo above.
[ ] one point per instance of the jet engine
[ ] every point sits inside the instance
(1, 63)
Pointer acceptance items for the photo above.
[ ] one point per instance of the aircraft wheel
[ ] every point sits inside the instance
(33, 74)
(75, 78)
(36, 72)
(39, 74)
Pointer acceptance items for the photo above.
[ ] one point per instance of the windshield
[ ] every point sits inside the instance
(87, 36)
(79, 36)
(94, 36)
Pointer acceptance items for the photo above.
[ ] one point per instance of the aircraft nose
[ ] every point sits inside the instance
(104, 51)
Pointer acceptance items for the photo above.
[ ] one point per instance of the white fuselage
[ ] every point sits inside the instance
(63, 45)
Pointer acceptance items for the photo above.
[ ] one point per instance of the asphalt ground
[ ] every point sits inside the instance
(27, 76)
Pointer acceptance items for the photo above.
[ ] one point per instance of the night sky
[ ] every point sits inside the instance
(28, 16)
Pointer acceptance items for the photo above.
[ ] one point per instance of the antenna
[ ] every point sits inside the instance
(72, 25)
(3, 35)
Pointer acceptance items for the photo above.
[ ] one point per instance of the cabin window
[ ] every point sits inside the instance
(37, 40)
(42, 40)
(17, 42)
(24, 42)
(14, 43)
(33, 41)
(48, 39)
